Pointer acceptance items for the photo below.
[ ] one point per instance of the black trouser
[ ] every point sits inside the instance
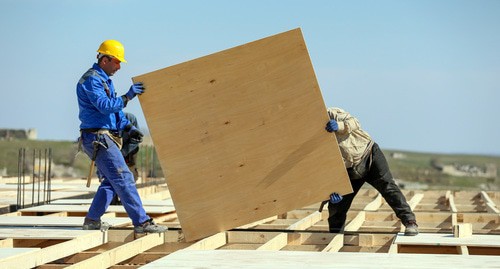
(381, 179)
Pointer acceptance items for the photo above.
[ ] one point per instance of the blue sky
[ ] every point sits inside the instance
(420, 75)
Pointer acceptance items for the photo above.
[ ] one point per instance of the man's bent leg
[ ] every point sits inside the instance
(381, 179)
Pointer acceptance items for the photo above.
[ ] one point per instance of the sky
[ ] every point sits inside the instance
(420, 75)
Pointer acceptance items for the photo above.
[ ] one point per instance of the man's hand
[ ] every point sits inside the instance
(136, 89)
(135, 135)
(332, 126)
(335, 198)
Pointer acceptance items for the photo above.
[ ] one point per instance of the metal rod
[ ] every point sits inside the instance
(39, 174)
(33, 179)
(45, 178)
(18, 201)
(50, 176)
(24, 174)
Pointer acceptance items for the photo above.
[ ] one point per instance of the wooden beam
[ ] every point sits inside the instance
(490, 205)
(51, 253)
(17, 257)
(41, 221)
(335, 244)
(213, 242)
(375, 204)
(476, 240)
(277, 243)
(307, 222)
(462, 230)
(451, 201)
(224, 259)
(463, 250)
(415, 200)
(356, 223)
(121, 253)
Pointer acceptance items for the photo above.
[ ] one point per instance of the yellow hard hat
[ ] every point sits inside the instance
(113, 48)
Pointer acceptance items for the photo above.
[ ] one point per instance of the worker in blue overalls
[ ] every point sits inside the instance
(102, 121)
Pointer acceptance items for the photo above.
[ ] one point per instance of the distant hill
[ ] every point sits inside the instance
(451, 171)
(410, 169)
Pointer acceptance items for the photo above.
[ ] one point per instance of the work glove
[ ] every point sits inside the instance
(335, 198)
(332, 126)
(136, 89)
(135, 135)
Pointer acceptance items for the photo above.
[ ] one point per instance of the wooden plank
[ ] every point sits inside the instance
(26, 233)
(85, 208)
(306, 222)
(82, 241)
(451, 201)
(166, 202)
(16, 257)
(490, 205)
(229, 127)
(43, 221)
(212, 242)
(224, 259)
(276, 243)
(477, 240)
(375, 204)
(250, 237)
(462, 230)
(335, 244)
(121, 253)
(463, 250)
(356, 223)
(415, 200)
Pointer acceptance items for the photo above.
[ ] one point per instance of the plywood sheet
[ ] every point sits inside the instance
(476, 240)
(60, 233)
(222, 259)
(240, 134)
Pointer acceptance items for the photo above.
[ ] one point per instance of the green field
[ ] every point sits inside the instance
(66, 160)
(422, 168)
(411, 168)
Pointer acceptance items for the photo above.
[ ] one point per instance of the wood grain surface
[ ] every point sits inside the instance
(240, 134)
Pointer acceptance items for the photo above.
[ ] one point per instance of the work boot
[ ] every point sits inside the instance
(90, 224)
(149, 227)
(411, 228)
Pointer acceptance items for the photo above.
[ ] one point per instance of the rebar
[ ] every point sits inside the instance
(42, 193)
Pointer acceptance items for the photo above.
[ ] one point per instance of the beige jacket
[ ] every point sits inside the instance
(354, 143)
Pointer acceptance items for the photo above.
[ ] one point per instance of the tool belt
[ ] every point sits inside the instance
(113, 135)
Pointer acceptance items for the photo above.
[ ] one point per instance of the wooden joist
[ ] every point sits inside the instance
(50, 221)
(77, 241)
(300, 231)
(121, 253)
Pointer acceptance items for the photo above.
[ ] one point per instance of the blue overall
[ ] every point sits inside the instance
(100, 109)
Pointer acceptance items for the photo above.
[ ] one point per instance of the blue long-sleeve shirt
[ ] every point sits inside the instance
(99, 106)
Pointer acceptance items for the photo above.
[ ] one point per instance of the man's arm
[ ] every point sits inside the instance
(94, 89)
(346, 122)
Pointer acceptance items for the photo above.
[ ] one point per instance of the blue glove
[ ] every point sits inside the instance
(135, 89)
(135, 135)
(332, 126)
(335, 198)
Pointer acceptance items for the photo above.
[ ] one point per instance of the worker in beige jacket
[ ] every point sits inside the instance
(365, 162)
